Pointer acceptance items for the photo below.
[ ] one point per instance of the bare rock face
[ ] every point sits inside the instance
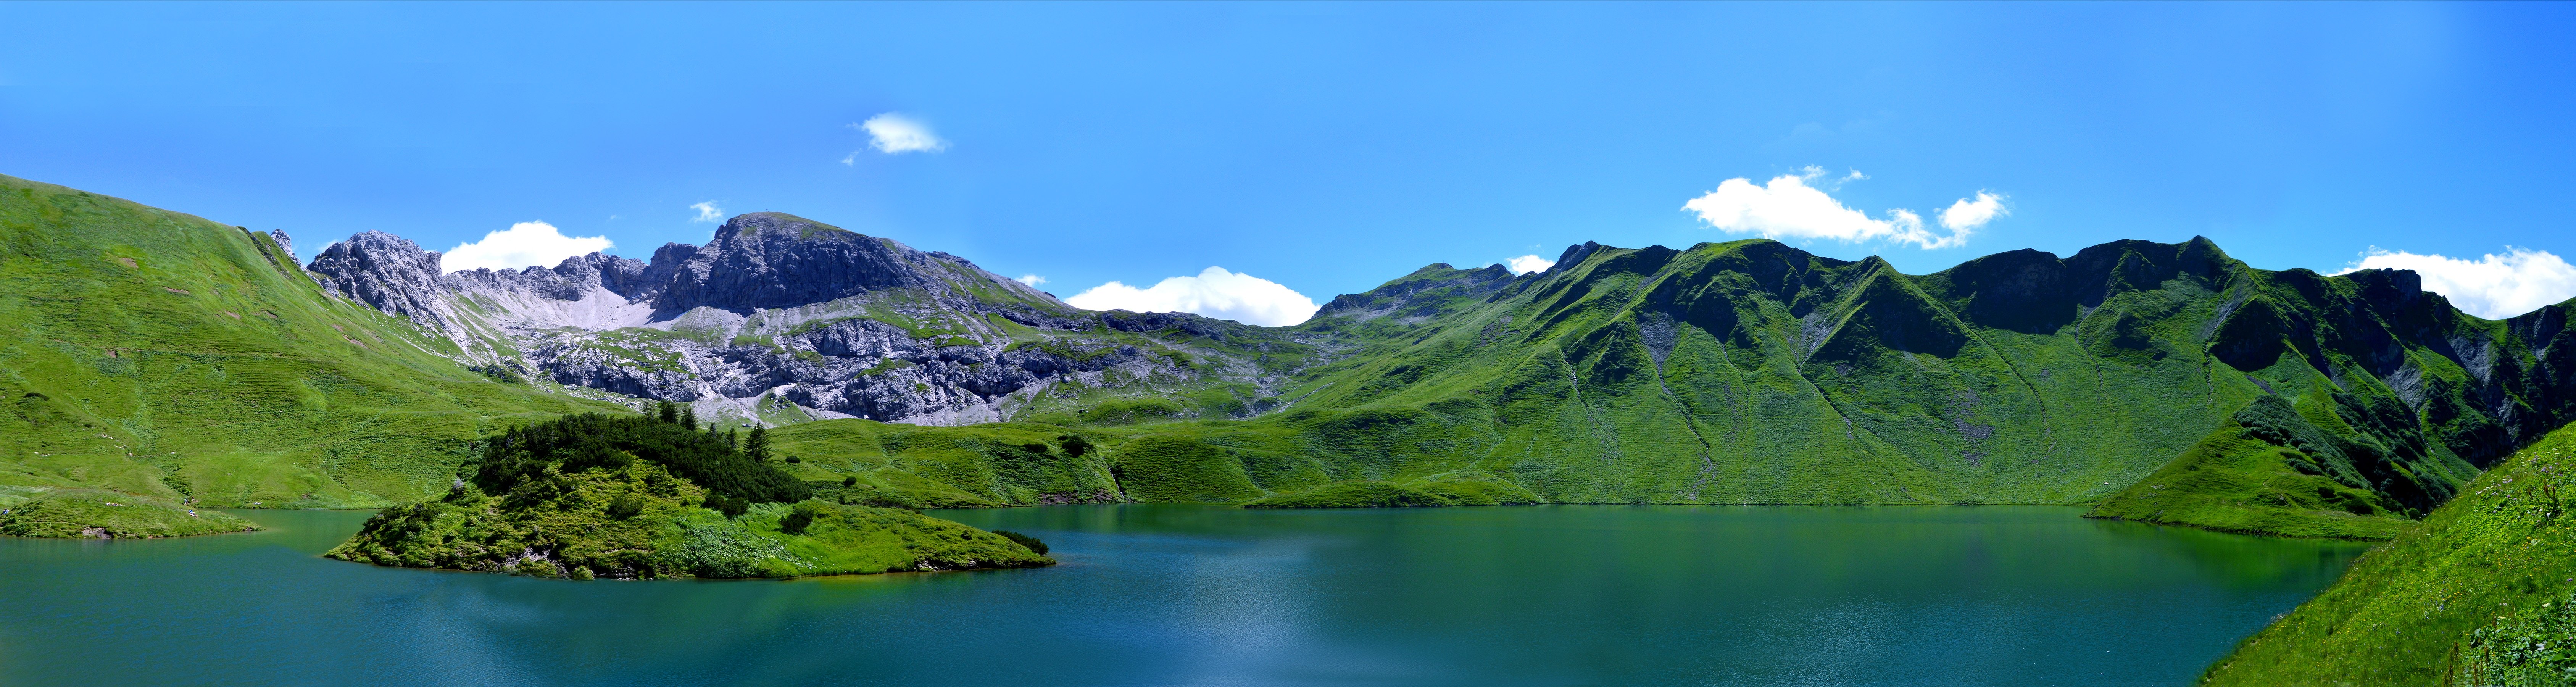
(784, 308)
(775, 260)
(386, 271)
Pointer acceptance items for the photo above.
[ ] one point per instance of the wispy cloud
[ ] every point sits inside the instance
(1528, 263)
(1787, 207)
(1215, 292)
(707, 212)
(1030, 279)
(895, 134)
(2492, 286)
(522, 245)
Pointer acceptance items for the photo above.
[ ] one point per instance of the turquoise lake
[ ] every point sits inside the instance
(1189, 595)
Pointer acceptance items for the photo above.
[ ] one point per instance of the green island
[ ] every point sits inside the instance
(591, 496)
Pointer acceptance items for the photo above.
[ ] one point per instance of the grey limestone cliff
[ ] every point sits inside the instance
(780, 316)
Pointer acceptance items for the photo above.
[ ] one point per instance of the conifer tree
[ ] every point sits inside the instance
(669, 411)
(757, 445)
(689, 417)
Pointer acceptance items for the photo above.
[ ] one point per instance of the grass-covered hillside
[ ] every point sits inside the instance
(1751, 372)
(2478, 595)
(162, 356)
(636, 498)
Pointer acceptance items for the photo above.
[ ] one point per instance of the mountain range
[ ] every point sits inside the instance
(2159, 382)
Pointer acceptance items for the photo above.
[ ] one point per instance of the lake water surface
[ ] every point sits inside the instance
(1188, 595)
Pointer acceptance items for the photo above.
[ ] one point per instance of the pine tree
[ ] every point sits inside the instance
(729, 440)
(669, 411)
(689, 417)
(757, 445)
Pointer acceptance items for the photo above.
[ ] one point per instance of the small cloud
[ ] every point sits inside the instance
(1966, 215)
(895, 134)
(522, 245)
(1030, 279)
(1214, 292)
(2493, 286)
(1788, 207)
(707, 212)
(1528, 263)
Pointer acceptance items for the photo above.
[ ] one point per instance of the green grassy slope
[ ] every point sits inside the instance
(64, 513)
(1751, 372)
(2477, 595)
(143, 351)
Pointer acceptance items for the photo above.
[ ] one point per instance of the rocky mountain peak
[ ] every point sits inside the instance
(383, 270)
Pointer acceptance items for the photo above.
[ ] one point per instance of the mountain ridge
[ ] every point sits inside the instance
(1738, 372)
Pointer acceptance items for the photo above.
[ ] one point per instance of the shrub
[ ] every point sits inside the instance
(625, 506)
(1074, 445)
(850, 481)
(1034, 448)
(1034, 546)
(797, 519)
(793, 459)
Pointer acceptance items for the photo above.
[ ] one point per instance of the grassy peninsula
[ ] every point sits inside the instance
(644, 497)
(106, 514)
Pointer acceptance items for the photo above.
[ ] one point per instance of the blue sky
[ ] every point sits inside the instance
(1328, 147)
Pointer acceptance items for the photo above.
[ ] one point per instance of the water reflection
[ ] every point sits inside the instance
(1200, 595)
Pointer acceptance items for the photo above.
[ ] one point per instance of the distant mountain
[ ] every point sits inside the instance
(2158, 382)
(783, 316)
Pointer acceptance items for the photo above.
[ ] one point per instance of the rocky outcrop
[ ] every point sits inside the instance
(386, 271)
(780, 307)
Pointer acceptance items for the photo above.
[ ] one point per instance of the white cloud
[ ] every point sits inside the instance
(1214, 293)
(2492, 286)
(707, 212)
(1788, 208)
(1031, 280)
(1528, 263)
(895, 134)
(522, 245)
(1965, 216)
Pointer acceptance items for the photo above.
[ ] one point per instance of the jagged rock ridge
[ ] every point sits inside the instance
(778, 314)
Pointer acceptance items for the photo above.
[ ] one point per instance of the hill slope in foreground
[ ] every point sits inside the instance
(2165, 382)
(2478, 595)
(162, 356)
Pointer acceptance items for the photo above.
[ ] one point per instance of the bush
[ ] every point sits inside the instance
(850, 481)
(797, 519)
(1074, 445)
(625, 506)
(1034, 546)
(793, 459)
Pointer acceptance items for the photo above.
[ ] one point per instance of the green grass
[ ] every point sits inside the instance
(100, 513)
(2410, 612)
(138, 344)
(1354, 495)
